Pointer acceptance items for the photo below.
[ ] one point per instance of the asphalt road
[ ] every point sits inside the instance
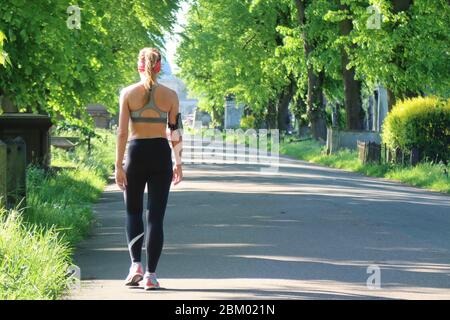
(304, 232)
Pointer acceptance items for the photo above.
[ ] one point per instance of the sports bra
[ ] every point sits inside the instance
(136, 115)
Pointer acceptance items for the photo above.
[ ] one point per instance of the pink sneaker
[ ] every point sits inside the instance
(135, 276)
(151, 282)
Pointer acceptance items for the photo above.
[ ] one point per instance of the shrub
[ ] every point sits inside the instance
(248, 122)
(420, 122)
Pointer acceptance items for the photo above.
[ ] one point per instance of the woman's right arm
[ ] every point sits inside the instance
(176, 131)
(122, 138)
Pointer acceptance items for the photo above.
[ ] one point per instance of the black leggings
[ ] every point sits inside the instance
(148, 163)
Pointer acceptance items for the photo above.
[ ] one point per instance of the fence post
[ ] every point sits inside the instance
(415, 157)
(362, 151)
(3, 165)
(16, 169)
(398, 155)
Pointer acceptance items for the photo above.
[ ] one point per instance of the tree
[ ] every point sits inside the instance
(3, 56)
(316, 109)
(229, 47)
(58, 70)
(269, 53)
(352, 85)
(408, 53)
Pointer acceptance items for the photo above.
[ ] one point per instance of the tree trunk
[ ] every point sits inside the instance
(283, 106)
(398, 6)
(300, 109)
(218, 117)
(352, 87)
(401, 5)
(316, 110)
(391, 99)
(8, 105)
(271, 117)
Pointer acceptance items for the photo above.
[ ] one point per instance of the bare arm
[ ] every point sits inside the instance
(122, 138)
(176, 135)
(176, 138)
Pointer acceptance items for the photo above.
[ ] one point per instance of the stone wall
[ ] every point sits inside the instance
(340, 139)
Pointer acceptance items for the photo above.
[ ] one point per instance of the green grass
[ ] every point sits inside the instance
(63, 201)
(424, 175)
(33, 260)
(305, 150)
(36, 244)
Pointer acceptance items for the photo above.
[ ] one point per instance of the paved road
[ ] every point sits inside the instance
(306, 232)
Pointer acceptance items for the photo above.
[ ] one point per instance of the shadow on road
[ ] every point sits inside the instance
(307, 233)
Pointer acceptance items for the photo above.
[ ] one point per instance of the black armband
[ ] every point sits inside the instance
(178, 123)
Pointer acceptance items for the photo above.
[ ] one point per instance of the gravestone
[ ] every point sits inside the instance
(100, 114)
(381, 108)
(369, 152)
(34, 129)
(201, 118)
(334, 116)
(62, 143)
(233, 113)
(370, 113)
(15, 171)
(3, 170)
(347, 139)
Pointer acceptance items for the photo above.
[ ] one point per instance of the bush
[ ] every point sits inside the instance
(248, 122)
(420, 122)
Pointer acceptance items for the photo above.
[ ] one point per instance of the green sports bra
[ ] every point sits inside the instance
(136, 115)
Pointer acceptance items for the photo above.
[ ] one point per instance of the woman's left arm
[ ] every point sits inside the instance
(122, 138)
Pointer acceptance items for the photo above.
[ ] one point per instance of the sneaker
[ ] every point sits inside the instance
(135, 276)
(150, 281)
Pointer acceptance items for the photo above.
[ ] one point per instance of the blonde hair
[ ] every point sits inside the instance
(150, 56)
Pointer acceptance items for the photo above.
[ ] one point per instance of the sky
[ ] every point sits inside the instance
(172, 40)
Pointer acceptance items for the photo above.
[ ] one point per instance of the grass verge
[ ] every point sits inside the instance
(425, 175)
(36, 244)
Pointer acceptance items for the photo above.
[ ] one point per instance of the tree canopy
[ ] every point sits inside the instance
(58, 69)
(256, 49)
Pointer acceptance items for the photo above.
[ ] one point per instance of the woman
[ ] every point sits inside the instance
(152, 110)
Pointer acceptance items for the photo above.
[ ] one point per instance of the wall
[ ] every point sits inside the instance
(340, 139)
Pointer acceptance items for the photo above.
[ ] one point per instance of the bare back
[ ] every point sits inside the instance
(136, 96)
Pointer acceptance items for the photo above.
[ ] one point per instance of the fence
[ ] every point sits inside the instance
(372, 152)
(13, 172)
(369, 151)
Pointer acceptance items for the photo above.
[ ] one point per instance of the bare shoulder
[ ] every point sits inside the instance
(130, 90)
(171, 94)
